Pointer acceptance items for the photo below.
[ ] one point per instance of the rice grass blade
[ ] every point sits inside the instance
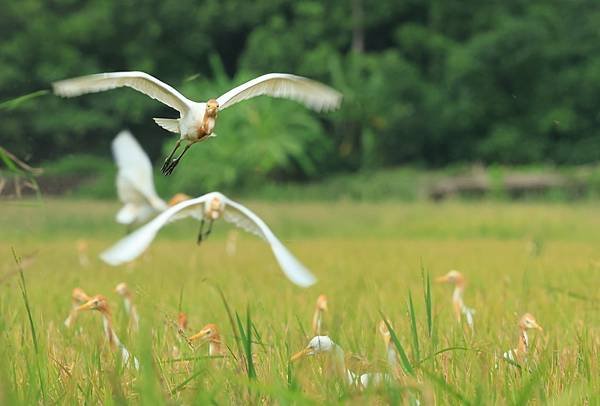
(435, 354)
(427, 297)
(413, 328)
(12, 104)
(36, 347)
(404, 361)
(234, 327)
(449, 389)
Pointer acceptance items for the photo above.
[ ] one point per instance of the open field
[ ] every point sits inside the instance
(518, 258)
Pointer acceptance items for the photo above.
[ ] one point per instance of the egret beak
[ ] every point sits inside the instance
(201, 335)
(537, 326)
(89, 305)
(441, 279)
(301, 354)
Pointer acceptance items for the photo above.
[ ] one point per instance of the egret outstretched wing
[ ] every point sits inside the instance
(314, 95)
(135, 243)
(135, 181)
(140, 81)
(246, 219)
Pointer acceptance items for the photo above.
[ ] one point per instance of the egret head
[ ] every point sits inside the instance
(82, 246)
(212, 107)
(322, 303)
(528, 322)
(178, 198)
(209, 333)
(97, 302)
(79, 296)
(123, 290)
(451, 277)
(316, 345)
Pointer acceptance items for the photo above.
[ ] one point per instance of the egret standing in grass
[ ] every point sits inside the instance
(378, 378)
(209, 208)
(100, 304)
(78, 297)
(324, 344)
(519, 354)
(320, 309)
(130, 308)
(456, 278)
(197, 121)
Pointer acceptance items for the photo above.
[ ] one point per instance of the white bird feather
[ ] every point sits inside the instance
(137, 242)
(135, 181)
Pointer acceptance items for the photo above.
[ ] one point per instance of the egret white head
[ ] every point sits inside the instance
(316, 345)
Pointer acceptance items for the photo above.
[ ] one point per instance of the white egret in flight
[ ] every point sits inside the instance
(519, 354)
(100, 304)
(459, 282)
(197, 121)
(135, 182)
(209, 207)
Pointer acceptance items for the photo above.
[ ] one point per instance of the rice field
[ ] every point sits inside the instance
(372, 260)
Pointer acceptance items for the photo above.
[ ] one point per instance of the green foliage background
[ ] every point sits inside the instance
(426, 83)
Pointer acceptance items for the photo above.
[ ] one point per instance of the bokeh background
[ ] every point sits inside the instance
(428, 84)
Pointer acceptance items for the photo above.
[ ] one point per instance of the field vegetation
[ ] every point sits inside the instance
(371, 260)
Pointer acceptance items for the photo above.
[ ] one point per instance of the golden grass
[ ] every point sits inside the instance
(536, 258)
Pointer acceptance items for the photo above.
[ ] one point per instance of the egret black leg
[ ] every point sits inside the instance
(174, 162)
(168, 160)
(210, 223)
(201, 233)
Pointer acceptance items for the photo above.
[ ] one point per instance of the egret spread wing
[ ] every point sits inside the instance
(135, 243)
(140, 81)
(314, 95)
(246, 219)
(135, 172)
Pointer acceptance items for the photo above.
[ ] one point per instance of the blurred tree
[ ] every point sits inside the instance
(425, 82)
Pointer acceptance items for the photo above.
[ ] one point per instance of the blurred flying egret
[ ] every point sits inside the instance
(135, 182)
(324, 344)
(130, 308)
(78, 297)
(519, 354)
(209, 207)
(459, 282)
(210, 334)
(197, 121)
(100, 304)
(320, 308)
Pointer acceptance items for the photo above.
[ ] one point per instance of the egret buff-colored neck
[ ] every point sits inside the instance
(391, 355)
(456, 278)
(131, 310)
(100, 304)
(320, 309)
(527, 322)
(210, 118)
(210, 334)
(214, 209)
(518, 354)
